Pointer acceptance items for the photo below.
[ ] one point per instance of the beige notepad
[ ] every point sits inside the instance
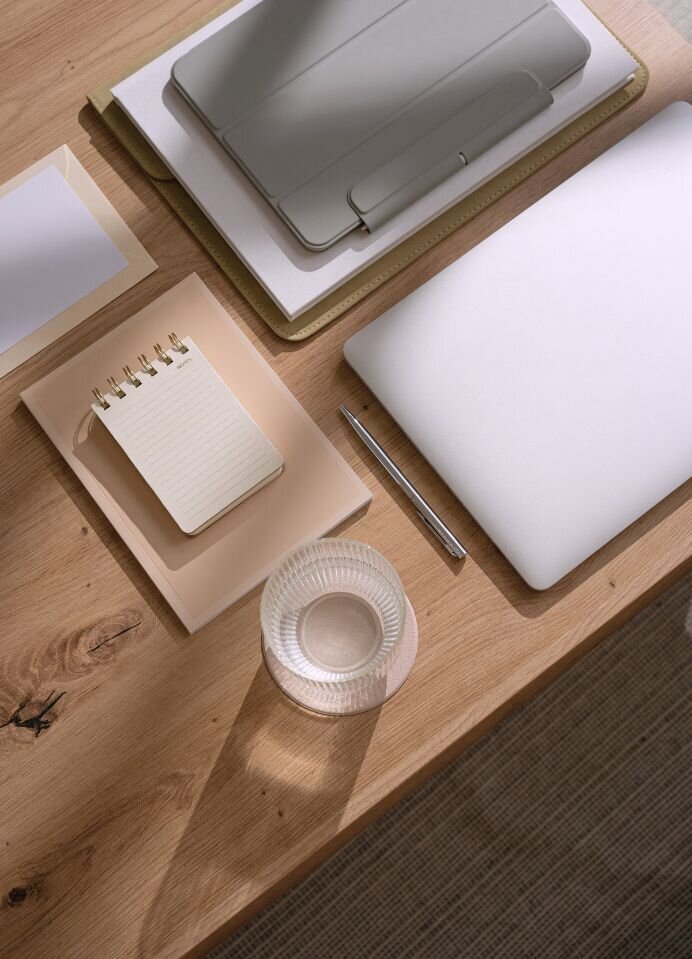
(188, 435)
(199, 575)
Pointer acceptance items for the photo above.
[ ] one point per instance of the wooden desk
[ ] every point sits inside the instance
(175, 790)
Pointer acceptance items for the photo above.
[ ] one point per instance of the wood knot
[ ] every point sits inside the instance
(99, 643)
(17, 895)
(39, 720)
(100, 637)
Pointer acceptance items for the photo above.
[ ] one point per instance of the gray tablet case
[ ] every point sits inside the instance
(344, 113)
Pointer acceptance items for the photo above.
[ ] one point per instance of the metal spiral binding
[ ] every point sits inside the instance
(162, 355)
(101, 399)
(146, 365)
(132, 378)
(119, 392)
(177, 343)
(135, 380)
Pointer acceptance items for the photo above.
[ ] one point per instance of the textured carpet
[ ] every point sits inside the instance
(564, 834)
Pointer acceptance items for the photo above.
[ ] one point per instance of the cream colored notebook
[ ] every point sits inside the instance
(198, 575)
(188, 435)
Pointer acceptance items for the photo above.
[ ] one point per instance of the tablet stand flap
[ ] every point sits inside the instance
(445, 150)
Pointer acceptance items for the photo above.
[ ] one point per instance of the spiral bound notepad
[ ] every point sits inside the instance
(187, 434)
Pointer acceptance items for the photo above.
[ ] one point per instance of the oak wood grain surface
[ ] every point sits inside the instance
(171, 790)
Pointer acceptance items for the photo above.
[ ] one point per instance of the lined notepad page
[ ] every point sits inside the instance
(190, 438)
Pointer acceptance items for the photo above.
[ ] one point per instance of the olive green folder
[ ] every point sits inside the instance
(373, 276)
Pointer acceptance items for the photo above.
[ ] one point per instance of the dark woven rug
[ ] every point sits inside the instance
(564, 833)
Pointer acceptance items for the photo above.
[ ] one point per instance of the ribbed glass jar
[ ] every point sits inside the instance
(333, 615)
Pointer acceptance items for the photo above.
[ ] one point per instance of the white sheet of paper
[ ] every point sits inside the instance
(295, 277)
(53, 252)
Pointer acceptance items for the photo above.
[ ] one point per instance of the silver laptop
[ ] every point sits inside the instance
(547, 374)
(344, 112)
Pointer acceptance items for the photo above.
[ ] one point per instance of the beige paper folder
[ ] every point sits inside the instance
(203, 575)
(139, 263)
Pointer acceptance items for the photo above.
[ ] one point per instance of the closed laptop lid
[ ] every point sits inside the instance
(546, 374)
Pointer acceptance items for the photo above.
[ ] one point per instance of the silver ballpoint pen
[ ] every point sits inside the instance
(426, 513)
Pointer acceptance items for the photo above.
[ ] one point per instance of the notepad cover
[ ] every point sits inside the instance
(202, 575)
(190, 438)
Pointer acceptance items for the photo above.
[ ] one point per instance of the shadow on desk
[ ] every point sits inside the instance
(278, 781)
